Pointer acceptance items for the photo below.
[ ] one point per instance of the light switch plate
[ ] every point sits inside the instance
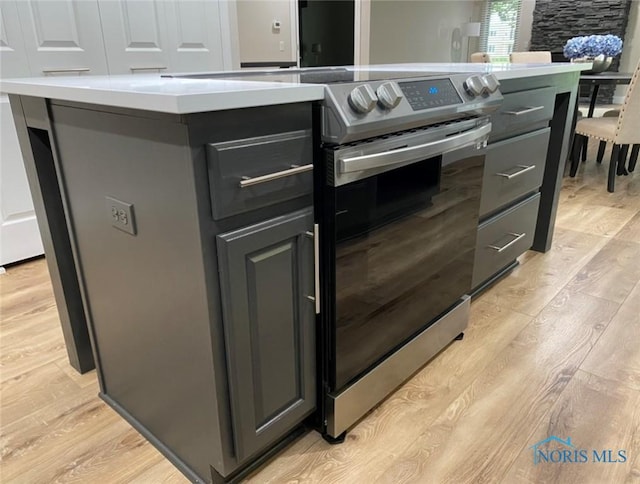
(121, 215)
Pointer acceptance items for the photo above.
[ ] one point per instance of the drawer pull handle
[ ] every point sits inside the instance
(524, 169)
(526, 110)
(315, 235)
(157, 68)
(294, 170)
(508, 244)
(63, 69)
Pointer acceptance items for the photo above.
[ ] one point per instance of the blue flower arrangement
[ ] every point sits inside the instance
(593, 46)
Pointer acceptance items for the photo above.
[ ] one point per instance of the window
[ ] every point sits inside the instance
(499, 27)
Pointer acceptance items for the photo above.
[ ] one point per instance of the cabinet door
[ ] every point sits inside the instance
(13, 56)
(135, 35)
(266, 274)
(62, 37)
(194, 35)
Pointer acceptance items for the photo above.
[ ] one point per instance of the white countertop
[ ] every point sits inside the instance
(181, 96)
(501, 71)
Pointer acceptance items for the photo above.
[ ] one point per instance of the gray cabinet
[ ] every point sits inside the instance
(504, 238)
(266, 276)
(513, 168)
(513, 174)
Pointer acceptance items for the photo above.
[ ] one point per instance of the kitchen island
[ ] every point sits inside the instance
(144, 234)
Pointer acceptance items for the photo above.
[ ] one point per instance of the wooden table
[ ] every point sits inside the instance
(596, 80)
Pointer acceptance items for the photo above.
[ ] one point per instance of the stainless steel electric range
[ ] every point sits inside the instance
(398, 172)
(398, 165)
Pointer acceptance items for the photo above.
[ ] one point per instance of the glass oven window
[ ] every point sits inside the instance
(404, 254)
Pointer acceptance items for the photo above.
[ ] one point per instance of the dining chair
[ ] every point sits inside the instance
(480, 57)
(614, 113)
(622, 131)
(531, 57)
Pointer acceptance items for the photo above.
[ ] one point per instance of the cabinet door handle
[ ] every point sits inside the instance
(248, 181)
(524, 169)
(508, 244)
(157, 68)
(315, 235)
(525, 110)
(65, 69)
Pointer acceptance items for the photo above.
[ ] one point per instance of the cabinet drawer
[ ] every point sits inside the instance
(256, 172)
(520, 110)
(513, 168)
(505, 237)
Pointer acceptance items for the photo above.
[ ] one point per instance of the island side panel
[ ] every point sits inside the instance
(36, 143)
(133, 213)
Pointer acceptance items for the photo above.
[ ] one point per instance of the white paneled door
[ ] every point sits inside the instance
(62, 37)
(135, 35)
(195, 38)
(143, 36)
(19, 236)
(13, 55)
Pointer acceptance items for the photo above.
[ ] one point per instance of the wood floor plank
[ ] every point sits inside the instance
(82, 380)
(612, 273)
(631, 231)
(30, 391)
(594, 219)
(617, 355)
(20, 357)
(588, 405)
(530, 287)
(161, 472)
(589, 186)
(390, 428)
(472, 439)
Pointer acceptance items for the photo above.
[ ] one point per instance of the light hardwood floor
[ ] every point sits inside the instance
(554, 349)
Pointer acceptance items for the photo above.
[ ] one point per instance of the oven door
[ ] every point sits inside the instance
(401, 242)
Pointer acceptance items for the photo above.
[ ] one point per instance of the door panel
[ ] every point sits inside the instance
(266, 273)
(135, 35)
(62, 37)
(19, 236)
(13, 55)
(194, 35)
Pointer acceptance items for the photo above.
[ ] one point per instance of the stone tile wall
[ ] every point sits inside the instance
(556, 21)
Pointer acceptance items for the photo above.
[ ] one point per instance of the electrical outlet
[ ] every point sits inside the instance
(121, 215)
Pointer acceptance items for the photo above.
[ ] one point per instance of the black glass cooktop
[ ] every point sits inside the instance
(312, 76)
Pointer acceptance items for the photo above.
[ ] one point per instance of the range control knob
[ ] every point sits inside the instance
(474, 86)
(490, 82)
(389, 95)
(362, 99)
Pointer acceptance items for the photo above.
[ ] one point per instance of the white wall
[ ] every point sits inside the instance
(419, 30)
(631, 48)
(258, 40)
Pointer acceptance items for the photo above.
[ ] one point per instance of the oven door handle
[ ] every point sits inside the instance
(410, 153)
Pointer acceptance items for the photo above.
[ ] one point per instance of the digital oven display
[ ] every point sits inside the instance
(430, 93)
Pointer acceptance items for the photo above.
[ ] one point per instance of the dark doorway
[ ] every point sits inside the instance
(326, 32)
